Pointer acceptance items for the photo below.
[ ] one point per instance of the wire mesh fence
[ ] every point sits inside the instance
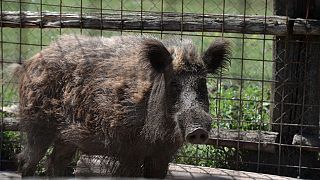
(265, 107)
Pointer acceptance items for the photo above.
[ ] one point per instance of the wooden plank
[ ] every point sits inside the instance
(156, 21)
(4, 175)
(181, 171)
(307, 140)
(248, 140)
(11, 121)
(264, 141)
(10, 124)
(96, 166)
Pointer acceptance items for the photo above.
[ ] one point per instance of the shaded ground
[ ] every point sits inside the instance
(178, 171)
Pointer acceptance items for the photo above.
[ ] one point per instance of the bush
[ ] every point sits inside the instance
(245, 108)
(206, 155)
(9, 149)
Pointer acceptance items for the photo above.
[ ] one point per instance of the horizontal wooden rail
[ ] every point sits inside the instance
(265, 141)
(156, 21)
(247, 140)
(10, 124)
(311, 142)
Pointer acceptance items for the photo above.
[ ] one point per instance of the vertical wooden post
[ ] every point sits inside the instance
(296, 91)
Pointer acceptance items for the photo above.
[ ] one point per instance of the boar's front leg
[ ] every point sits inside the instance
(129, 167)
(61, 156)
(156, 166)
(38, 141)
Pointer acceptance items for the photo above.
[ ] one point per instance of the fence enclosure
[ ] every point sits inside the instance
(281, 135)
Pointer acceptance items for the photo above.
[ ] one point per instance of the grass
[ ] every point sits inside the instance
(240, 98)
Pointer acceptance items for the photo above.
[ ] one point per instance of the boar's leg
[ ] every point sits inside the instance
(129, 167)
(60, 158)
(156, 166)
(36, 146)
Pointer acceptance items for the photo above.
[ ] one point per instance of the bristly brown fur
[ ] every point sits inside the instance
(184, 54)
(111, 96)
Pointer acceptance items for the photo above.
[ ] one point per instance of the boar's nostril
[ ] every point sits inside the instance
(197, 136)
(192, 137)
(203, 136)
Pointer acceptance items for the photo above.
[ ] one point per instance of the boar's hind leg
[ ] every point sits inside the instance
(60, 158)
(156, 167)
(36, 146)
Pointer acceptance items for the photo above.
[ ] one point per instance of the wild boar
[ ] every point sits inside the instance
(133, 98)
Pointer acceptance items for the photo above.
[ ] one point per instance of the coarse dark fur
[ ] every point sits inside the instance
(130, 98)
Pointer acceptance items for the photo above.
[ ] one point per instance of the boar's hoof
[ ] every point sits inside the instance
(197, 136)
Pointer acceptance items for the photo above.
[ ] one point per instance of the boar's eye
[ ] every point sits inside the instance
(174, 84)
(175, 88)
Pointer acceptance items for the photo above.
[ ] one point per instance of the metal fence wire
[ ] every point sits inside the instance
(265, 107)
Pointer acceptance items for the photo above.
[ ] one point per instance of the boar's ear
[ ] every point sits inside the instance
(157, 54)
(216, 57)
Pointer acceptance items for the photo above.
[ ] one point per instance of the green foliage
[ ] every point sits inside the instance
(10, 145)
(206, 156)
(244, 108)
(9, 148)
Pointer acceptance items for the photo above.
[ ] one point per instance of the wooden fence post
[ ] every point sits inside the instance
(296, 91)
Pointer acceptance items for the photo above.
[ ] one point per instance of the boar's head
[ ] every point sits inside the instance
(178, 105)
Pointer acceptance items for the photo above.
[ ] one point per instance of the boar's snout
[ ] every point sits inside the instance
(195, 125)
(197, 136)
